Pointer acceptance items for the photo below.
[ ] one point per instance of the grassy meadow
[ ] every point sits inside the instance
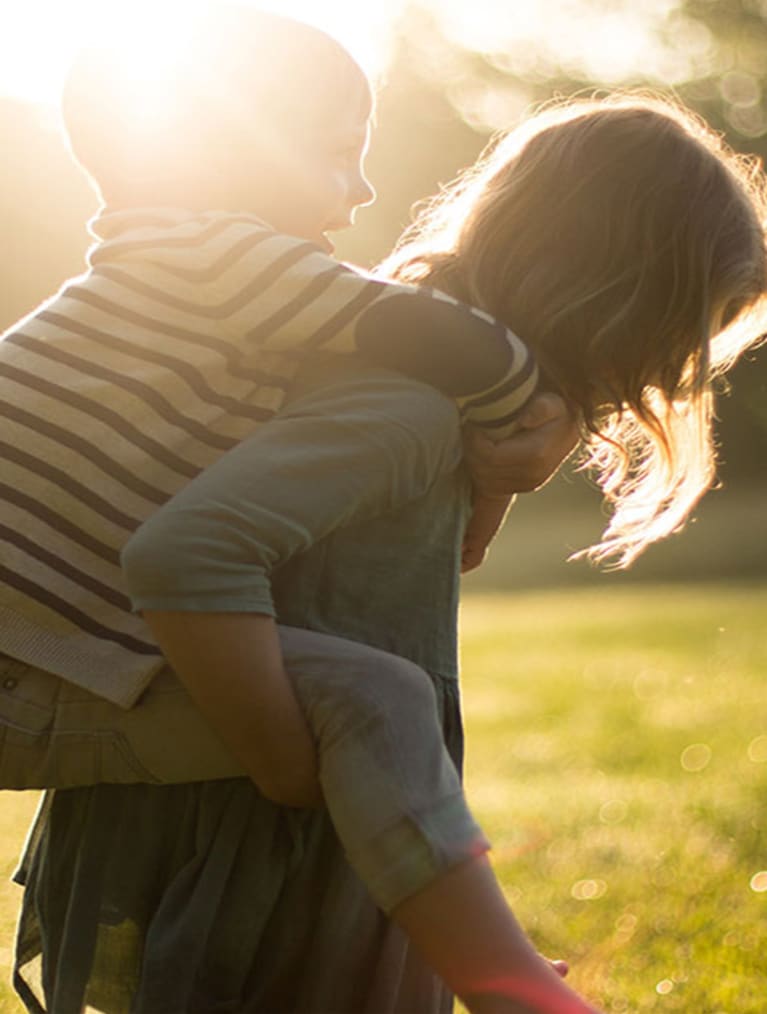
(617, 756)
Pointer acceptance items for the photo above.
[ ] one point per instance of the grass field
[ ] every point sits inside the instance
(618, 759)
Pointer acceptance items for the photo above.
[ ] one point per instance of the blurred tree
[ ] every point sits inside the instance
(732, 94)
(478, 59)
(460, 70)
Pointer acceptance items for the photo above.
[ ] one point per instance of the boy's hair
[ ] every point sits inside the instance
(626, 243)
(198, 100)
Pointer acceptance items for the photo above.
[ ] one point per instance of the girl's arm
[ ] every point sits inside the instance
(200, 567)
(231, 664)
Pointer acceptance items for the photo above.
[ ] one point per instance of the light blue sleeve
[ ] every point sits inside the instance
(357, 447)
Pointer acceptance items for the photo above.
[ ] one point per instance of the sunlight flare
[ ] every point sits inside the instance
(38, 43)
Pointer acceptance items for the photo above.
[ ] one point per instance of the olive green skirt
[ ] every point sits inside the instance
(205, 897)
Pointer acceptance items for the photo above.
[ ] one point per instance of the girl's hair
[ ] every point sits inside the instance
(625, 243)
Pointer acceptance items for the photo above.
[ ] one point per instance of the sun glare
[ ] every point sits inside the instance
(609, 42)
(37, 44)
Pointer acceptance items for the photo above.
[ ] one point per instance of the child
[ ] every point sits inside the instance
(629, 243)
(189, 325)
(183, 336)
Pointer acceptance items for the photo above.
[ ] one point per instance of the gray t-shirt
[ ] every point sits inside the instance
(361, 458)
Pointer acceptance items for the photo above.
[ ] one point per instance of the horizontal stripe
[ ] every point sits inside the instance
(61, 566)
(94, 409)
(230, 356)
(224, 262)
(504, 389)
(325, 334)
(75, 489)
(111, 248)
(279, 319)
(498, 422)
(75, 616)
(79, 445)
(148, 395)
(219, 311)
(178, 367)
(37, 509)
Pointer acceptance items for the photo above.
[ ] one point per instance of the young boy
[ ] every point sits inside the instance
(182, 337)
(189, 325)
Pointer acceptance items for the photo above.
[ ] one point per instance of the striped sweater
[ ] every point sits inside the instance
(182, 336)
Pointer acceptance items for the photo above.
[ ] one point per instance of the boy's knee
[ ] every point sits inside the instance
(363, 686)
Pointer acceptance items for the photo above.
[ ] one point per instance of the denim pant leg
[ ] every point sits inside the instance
(391, 788)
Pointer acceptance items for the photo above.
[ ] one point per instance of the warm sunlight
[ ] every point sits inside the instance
(36, 46)
(603, 42)
(608, 41)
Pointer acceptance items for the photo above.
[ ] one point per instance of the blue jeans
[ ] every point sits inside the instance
(390, 787)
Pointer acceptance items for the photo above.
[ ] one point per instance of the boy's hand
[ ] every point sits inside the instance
(487, 516)
(518, 464)
(528, 459)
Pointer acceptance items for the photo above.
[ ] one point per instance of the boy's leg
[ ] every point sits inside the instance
(54, 734)
(390, 786)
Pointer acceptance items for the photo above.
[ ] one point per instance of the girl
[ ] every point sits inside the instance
(634, 240)
(626, 238)
(629, 242)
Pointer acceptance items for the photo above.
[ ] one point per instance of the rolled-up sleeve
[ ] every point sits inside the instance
(356, 448)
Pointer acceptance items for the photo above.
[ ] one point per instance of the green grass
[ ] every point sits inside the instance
(617, 757)
(16, 810)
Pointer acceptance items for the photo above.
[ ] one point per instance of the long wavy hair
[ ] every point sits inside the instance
(625, 243)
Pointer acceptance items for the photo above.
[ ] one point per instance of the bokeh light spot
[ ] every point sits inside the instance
(664, 987)
(759, 882)
(626, 923)
(696, 757)
(588, 890)
(740, 89)
(613, 811)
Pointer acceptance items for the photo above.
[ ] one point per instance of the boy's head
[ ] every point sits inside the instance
(240, 109)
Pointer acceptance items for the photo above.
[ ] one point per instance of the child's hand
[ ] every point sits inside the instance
(487, 516)
(518, 464)
(529, 458)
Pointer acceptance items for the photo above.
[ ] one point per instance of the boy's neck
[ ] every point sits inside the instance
(196, 197)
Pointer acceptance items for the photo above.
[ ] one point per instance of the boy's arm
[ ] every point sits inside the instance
(463, 352)
(546, 436)
(525, 461)
(308, 302)
(267, 292)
